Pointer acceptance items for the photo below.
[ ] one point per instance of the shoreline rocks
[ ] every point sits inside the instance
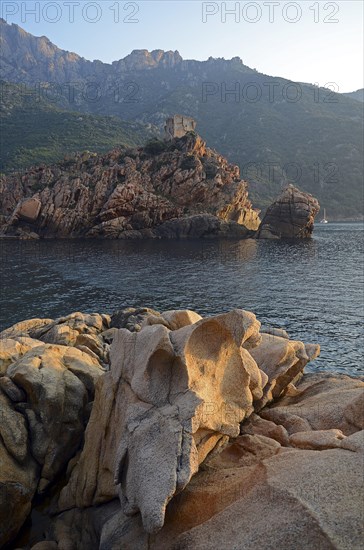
(169, 430)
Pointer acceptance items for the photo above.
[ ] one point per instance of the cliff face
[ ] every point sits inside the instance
(130, 193)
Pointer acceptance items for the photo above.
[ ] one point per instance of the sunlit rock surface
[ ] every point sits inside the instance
(204, 433)
(173, 396)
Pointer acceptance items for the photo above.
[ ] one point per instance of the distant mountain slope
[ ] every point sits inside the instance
(275, 130)
(358, 95)
(35, 131)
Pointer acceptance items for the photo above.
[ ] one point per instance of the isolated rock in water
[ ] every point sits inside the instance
(291, 216)
(58, 383)
(171, 397)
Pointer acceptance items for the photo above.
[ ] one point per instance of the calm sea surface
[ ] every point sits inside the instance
(314, 289)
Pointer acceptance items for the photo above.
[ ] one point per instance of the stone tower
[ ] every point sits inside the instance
(177, 126)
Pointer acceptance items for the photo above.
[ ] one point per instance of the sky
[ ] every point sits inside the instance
(317, 42)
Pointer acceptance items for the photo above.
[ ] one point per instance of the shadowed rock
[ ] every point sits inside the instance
(291, 216)
(258, 490)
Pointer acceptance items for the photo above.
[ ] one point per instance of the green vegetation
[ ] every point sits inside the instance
(155, 147)
(35, 131)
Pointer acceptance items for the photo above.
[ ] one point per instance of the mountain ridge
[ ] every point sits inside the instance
(358, 95)
(137, 59)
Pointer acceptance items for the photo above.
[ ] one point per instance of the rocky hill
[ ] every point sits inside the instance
(277, 131)
(165, 189)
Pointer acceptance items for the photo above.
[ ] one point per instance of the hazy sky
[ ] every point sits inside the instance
(304, 41)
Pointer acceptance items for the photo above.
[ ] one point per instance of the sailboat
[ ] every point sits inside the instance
(324, 220)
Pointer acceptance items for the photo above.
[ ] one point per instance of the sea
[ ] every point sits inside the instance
(314, 289)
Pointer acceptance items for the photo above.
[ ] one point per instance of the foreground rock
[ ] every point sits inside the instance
(173, 397)
(45, 396)
(291, 216)
(164, 190)
(262, 489)
(204, 433)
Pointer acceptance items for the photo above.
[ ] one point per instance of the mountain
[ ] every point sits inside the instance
(276, 130)
(358, 95)
(34, 130)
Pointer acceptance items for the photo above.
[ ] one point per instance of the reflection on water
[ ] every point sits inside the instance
(313, 288)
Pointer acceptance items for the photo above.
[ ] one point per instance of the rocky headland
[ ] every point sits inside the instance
(165, 189)
(175, 189)
(148, 430)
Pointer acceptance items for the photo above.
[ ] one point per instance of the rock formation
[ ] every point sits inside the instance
(291, 216)
(277, 486)
(176, 396)
(203, 433)
(45, 394)
(177, 189)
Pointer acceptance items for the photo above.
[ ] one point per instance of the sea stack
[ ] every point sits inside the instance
(291, 216)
